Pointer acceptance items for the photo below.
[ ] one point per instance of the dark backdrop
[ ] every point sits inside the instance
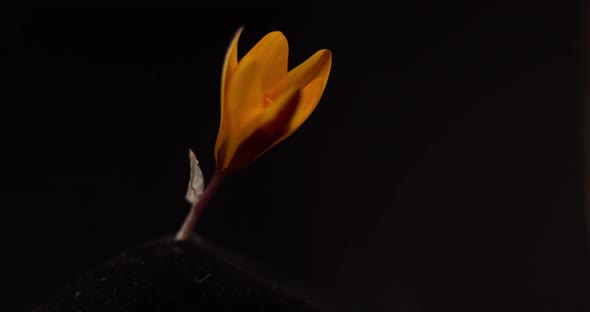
(441, 171)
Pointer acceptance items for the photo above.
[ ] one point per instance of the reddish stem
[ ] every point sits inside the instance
(196, 210)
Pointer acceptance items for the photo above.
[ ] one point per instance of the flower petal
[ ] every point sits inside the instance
(272, 54)
(311, 77)
(318, 65)
(310, 97)
(230, 62)
(243, 105)
(244, 100)
(230, 65)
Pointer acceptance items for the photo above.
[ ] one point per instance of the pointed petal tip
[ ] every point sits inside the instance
(327, 58)
(235, 37)
(275, 35)
(327, 54)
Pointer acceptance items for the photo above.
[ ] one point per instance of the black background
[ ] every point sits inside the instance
(442, 169)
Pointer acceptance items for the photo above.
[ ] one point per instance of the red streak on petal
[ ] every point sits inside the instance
(266, 135)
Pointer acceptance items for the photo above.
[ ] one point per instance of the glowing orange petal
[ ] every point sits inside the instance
(244, 98)
(310, 97)
(230, 64)
(272, 54)
(318, 65)
(311, 77)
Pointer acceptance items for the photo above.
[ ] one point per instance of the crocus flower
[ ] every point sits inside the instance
(262, 102)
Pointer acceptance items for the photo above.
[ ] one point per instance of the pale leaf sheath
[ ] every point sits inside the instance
(196, 184)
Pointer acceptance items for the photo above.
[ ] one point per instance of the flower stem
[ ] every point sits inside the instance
(196, 210)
